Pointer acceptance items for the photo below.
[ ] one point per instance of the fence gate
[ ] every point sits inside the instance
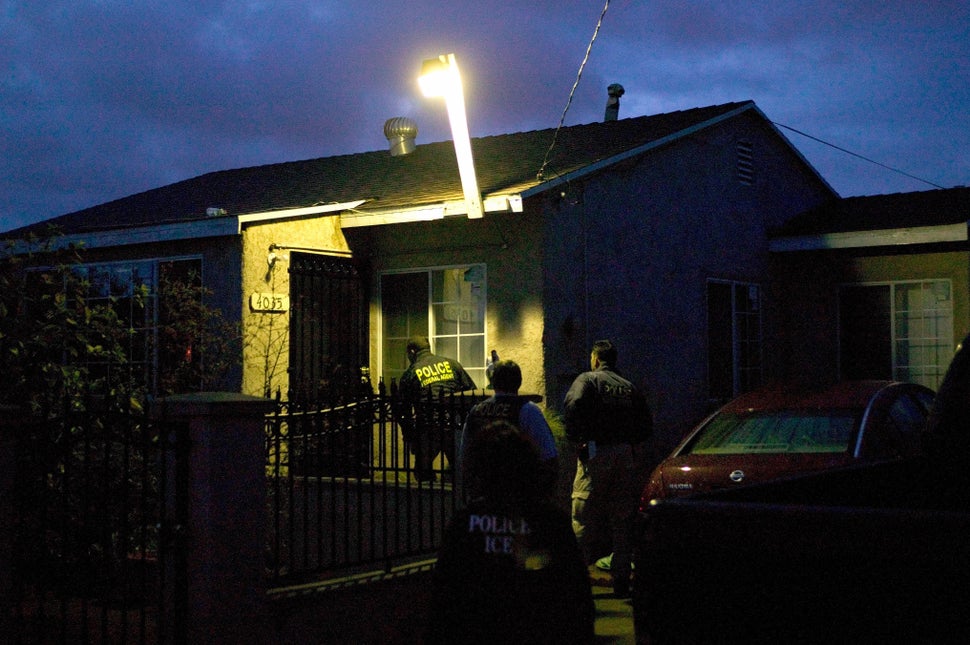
(327, 326)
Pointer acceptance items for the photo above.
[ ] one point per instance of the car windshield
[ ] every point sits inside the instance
(789, 431)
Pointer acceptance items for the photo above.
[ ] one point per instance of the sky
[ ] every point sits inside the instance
(101, 99)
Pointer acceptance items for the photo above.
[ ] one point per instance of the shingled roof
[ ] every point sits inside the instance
(882, 212)
(505, 164)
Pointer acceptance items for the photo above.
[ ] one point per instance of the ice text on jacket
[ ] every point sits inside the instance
(498, 532)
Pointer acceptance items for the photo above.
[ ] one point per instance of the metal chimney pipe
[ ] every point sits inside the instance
(613, 103)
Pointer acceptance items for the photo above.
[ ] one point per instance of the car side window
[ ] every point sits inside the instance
(880, 436)
(909, 417)
(925, 399)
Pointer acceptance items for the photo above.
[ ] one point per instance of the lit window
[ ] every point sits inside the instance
(445, 304)
(898, 330)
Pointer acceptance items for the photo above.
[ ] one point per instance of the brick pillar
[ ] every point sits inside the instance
(224, 532)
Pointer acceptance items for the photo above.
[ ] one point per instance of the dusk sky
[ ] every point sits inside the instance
(100, 99)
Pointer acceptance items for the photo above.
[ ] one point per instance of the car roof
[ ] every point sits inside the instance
(845, 395)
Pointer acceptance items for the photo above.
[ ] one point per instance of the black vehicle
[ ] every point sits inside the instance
(874, 553)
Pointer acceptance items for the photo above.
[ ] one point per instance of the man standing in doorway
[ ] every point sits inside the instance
(426, 378)
(610, 420)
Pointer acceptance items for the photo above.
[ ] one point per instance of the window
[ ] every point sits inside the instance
(908, 417)
(132, 289)
(445, 304)
(783, 431)
(894, 431)
(898, 330)
(733, 338)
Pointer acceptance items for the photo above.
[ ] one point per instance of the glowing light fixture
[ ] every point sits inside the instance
(440, 78)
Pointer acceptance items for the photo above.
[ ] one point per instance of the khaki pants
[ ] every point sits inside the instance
(604, 504)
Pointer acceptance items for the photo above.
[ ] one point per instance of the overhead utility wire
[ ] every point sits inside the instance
(579, 75)
(831, 145)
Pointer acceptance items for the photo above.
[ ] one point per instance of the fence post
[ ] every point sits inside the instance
(10, 422)
(225, 527)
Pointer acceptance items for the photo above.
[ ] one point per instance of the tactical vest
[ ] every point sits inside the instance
(504, 408)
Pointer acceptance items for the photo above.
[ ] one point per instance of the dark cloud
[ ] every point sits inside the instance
(102, 99)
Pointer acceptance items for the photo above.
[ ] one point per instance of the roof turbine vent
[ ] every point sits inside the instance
(401, 133)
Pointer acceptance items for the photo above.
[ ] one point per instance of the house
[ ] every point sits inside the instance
(873, 287)
(652, 231)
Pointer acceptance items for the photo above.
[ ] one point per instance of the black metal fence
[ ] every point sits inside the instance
(343, 494)
(91, 559)
(94, 503)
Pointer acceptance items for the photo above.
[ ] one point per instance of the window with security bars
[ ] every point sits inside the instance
(447, 305)
(896, 330)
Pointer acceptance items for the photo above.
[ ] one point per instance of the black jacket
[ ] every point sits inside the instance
(510, 577)
(604, 407)
(438, 373)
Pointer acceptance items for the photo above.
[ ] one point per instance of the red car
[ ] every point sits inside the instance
(779, 431)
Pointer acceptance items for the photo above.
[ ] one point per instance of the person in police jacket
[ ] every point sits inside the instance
(426, 378)
(609, 418)
(507, 405)
(509, 570)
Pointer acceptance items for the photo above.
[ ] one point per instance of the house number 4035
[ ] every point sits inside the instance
(271, 302)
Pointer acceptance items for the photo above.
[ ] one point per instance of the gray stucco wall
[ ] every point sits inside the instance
(629, 253)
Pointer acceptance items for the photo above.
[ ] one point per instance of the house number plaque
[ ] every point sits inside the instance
(276, 303)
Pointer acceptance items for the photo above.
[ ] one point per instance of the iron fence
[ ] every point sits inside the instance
(88, 528)
(96, 496)
(342, 490)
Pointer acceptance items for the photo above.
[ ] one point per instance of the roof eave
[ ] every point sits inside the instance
(511, 203)
(218, 226)
(639, 150)
(797, 152)
(868, 239)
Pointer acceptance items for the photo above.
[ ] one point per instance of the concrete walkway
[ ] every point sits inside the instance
(614, 616)
(394, 613)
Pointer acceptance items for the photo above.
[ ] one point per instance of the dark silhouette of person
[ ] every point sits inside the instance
(507, 405)
(609, 417)
(509, 569)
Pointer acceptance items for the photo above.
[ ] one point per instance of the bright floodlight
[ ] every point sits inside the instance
(440, 77)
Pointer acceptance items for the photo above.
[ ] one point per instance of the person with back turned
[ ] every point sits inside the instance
(427, 377)
(608, 417)
(507, 405)
(509, 569)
